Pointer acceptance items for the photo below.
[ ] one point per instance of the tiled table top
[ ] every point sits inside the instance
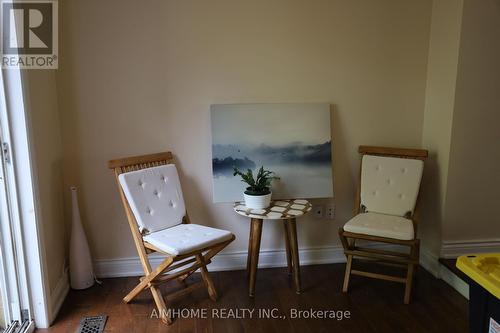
(279, 209)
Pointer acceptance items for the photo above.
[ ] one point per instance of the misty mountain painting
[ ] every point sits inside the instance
(292, 140)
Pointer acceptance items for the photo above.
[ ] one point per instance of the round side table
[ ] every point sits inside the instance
(286, 210)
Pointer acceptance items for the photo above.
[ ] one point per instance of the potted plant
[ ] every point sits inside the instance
(258, 193)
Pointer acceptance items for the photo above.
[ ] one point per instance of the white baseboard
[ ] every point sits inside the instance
(454, 281)
(430, 262)
(454, 249)
(58, 295)
(226, 261)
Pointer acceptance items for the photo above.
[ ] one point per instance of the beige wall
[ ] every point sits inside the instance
(46, 138)
(474, 179)
(139, 77)
(438, 116)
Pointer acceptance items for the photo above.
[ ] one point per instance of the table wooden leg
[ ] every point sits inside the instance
(287, 246)
(255, 235)
(292, 228)
(249, 256)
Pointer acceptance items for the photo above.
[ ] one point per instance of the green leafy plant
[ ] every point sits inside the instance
(258, 185)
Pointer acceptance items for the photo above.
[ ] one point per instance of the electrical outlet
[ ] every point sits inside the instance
(318, 211)
(330, 211)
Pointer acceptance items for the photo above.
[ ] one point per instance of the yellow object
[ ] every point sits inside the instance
(484, 269)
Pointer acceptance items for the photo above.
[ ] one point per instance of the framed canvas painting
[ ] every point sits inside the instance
(293, 140)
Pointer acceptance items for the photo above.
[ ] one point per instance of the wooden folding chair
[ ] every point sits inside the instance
(386, 211)
(151, 193)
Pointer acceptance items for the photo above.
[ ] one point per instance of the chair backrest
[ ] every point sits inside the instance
(390, 179)
(155, 197)
(137, 163)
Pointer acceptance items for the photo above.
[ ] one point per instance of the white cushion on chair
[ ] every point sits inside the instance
(185, 238)
(390, 185)
(155, 197)
(381, 225)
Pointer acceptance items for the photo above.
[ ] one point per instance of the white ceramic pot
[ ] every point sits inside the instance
(257, 201)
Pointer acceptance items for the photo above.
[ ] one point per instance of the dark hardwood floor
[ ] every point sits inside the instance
(374, 306)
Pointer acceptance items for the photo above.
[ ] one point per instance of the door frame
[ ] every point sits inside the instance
(22, 194)
(8, 278)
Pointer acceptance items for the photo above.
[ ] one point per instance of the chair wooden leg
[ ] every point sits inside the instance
(151, 275)
(207, 278)
(346, 245)
(414, 255)
(157, 296)
(409, 281)
(287, 246)
(160, 304)
(347, 274)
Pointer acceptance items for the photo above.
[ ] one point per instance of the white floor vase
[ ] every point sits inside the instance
(80, 262)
